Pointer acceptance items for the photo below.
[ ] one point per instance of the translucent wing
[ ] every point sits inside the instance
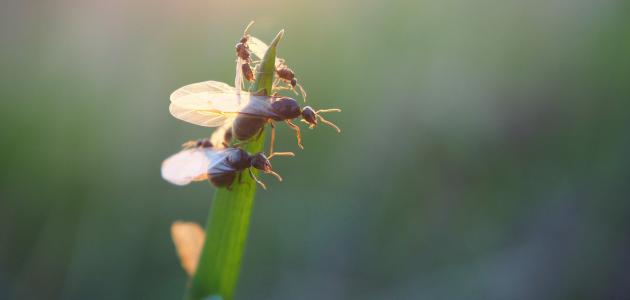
(259, 48)
(238, 79)
(201, 117)
(221, 136)
(213, 109)
(200, 87)
(207, 103)
(188, 239)
(191, 165)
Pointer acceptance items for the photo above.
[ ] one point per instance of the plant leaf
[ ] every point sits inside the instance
(228, 220)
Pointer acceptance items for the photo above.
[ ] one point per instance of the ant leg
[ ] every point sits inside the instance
(289, 87)
(272, 142)
(240, 177)
(273, 138)
(291, 154)
(302, 91)
(251, 174)
(282, 88)
(278, 85)
(189, 144)
(298, 134)
(260, 133)
(260, 92)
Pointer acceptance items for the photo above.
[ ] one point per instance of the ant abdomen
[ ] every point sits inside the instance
(246, 127)
(286, 74)
(247, 72)
(222, 179)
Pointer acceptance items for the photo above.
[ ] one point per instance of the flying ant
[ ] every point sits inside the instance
(219, 166)
(213, 104)
(243, 59)
(285, 74)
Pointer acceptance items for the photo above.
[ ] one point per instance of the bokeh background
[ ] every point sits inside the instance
(484, 152)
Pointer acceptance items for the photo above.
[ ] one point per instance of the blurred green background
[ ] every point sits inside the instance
(484, 152)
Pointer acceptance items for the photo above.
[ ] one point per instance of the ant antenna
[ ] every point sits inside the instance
(272, 142)
(302, 91)
(247, 27)
(298, 134)
(331, 124)
(256, 179)
(275, 174)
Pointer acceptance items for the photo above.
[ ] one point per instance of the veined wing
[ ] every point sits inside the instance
(208, 103)
(206, 118)
(259, 48)
(238, 78)
(201, 87)
(191, 165)
(217, 109)
(210, 95)
(221, 136)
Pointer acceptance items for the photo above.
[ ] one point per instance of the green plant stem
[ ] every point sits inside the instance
(228, 220)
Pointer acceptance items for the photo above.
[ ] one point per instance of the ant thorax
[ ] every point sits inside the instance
(286, 107)
(239, 159)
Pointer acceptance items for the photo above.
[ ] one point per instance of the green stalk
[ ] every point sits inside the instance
(228, 219)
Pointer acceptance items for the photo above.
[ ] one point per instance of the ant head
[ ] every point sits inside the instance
(293, 82)
(260, 162)
(286, 107)
(309, 116)
(244, 39)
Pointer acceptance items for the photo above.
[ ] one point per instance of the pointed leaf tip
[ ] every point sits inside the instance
(277, 39)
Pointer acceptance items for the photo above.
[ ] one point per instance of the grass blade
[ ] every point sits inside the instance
(228, 220)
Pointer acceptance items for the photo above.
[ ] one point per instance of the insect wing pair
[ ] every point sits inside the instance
(214, 104)
(193, 164)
